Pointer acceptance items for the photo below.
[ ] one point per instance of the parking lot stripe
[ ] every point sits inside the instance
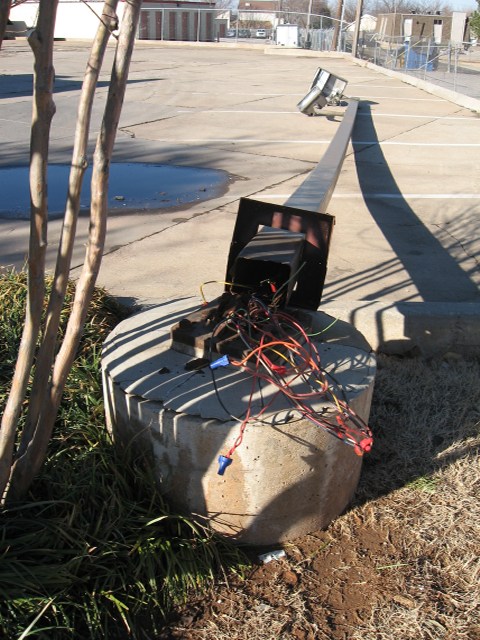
(386, 196)
(416, 144)
(375, 114)
(402, 98)
(366, 115)
(355, 142)
(418, 196)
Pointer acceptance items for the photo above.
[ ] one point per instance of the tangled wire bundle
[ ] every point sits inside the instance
(279, 351)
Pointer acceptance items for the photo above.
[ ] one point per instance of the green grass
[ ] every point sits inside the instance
(426, 484)
(94, 552)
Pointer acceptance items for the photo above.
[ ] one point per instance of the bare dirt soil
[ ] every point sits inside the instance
(403, 562)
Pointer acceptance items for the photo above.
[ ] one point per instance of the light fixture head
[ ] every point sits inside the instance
(326, 89)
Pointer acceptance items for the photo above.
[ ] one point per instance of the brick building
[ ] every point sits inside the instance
(188, 20)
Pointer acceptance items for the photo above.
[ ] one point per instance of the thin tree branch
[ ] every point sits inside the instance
(41, 42)
(105, 18)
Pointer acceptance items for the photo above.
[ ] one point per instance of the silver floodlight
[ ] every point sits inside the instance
(326, 89)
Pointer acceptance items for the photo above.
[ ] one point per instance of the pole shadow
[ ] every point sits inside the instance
(431, 268)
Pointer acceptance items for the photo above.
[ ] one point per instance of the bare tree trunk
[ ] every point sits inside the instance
(29, 464)
(41, 42)
(4, 13)
(109, 22)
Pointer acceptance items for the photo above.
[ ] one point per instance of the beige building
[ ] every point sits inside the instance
(431, 26)
(258, 13)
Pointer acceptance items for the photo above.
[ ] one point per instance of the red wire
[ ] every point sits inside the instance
(349, 426)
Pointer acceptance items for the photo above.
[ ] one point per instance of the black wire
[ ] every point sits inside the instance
(249, 320)
(214, 381)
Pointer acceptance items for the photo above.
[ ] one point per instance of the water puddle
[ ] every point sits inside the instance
(134, 186)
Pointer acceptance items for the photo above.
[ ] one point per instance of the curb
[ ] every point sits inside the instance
(424, 328)
(434, 89)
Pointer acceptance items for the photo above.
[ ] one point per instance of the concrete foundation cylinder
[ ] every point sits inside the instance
(288, 478)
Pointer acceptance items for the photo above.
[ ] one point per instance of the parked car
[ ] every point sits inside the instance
(231, 33)
(244, 33)
(261, 33)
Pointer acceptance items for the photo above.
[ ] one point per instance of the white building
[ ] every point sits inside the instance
(75, 19)
(367, 23)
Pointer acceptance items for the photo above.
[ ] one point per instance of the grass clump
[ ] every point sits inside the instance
(94, 552)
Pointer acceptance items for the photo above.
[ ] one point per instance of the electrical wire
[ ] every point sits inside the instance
(227, 284)
(279, 353)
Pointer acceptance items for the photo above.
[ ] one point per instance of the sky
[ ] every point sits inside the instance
(462, 5)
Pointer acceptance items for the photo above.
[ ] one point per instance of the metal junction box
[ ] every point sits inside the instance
(273, 256)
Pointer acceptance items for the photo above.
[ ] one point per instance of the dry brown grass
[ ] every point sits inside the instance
(403, 562)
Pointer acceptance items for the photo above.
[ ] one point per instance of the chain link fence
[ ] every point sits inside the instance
(455, 66)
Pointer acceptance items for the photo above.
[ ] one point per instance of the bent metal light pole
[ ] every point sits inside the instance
(315, 192)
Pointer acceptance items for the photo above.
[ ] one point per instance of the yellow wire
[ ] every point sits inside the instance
(227, 284)
(335, 399)
(292, 364)
(267, 345)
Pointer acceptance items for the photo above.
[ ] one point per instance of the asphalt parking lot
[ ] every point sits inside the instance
(406, 205)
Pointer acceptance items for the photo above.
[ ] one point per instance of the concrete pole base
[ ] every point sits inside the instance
(288, 478)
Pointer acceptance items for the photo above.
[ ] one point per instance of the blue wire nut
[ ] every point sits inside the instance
(221, 362)
(223, 463)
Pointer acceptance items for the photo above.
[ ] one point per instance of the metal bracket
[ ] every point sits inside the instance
(317, 228)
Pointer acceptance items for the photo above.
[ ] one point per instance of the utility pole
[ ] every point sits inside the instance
(336, 29)
(309, 15)
(358, 19)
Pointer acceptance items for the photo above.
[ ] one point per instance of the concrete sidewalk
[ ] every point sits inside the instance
(404, 262)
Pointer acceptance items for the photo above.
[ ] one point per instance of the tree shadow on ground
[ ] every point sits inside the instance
(21, 84)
